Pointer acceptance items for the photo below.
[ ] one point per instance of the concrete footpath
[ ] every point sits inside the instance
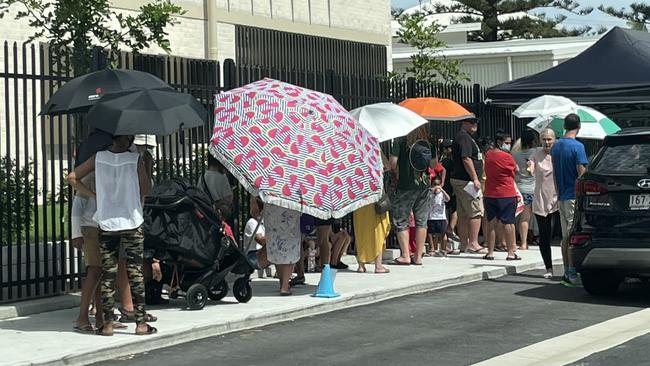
(48, 339)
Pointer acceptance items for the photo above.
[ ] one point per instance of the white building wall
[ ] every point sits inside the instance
(525, 66)
(493, 70)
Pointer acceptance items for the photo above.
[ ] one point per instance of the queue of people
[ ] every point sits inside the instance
(486, 187)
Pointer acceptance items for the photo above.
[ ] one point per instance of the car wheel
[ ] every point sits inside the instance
(600, 283)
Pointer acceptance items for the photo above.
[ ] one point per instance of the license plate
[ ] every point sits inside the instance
(640, 202)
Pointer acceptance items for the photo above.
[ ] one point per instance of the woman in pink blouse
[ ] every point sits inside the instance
(545, 205)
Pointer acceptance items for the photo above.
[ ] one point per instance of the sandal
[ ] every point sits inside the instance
(361, 269)
(297, 281)
(488, 257)
(398, 262)
(288, 293)
(84, 329)
(500, 249)
(129, 317)
(454, 252)
(150, 330)
(385, 270)
(515, 258)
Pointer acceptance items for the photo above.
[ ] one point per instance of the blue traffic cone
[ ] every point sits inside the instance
(326, 283)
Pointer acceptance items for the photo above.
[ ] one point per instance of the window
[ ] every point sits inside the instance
(625, 159)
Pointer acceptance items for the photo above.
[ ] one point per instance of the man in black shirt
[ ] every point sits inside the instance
(466, 181)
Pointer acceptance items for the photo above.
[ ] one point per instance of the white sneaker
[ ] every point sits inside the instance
(548, 275)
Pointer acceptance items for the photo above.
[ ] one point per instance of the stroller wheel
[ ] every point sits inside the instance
(196, 296)
(219, 291)
(242, 290)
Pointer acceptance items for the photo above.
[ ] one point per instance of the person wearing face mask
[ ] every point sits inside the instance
(503, 140)
(500, 199)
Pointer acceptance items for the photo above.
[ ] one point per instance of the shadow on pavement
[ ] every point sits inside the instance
(629, 294)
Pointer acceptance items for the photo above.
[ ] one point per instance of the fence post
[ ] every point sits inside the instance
(330, 84)
(98, 61)
(229, 74)
(476, 91)
(411, 90)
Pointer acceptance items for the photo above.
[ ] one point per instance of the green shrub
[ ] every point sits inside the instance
(16, 199)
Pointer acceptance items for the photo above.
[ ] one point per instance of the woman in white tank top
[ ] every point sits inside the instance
(121, 185)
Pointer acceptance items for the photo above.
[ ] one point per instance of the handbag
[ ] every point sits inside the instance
(383, 205)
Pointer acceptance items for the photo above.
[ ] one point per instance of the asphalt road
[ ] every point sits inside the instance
(634, 352)
(454, 326)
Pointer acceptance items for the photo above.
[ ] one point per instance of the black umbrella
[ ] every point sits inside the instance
(81, 93)
(146, 111)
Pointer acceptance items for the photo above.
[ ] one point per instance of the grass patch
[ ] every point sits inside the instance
(45, 221)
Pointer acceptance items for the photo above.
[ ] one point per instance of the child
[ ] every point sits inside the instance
(254, 240)
(437, 224)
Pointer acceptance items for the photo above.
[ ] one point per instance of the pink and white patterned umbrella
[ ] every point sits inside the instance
(296, 148)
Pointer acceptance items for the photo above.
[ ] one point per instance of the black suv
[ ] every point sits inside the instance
(610, 238)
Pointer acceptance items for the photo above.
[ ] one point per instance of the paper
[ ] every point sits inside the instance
(469, 188)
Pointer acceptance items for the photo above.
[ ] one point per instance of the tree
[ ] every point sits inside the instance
(493, 29)
(428, 64)
(638, 17)
(73, 27)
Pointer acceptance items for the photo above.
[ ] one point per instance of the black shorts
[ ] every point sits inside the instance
(321, 222)
(503, 209)
(437, 227)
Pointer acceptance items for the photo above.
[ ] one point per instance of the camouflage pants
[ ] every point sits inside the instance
(132, 242)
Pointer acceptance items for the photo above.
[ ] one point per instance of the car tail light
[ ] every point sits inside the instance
(589, 188)
(579, 239)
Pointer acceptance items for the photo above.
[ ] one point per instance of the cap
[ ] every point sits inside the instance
(447, 143)
(149, 140)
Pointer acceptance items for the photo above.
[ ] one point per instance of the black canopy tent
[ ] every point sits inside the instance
(613, 71)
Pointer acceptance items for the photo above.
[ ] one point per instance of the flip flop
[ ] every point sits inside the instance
(500, 249)
(515, 258)
(454, 252)
(297, 281)
(399, 263)
(478, 251)
(386, 270)
(413, 262)
(84, 329)
(286, 293)
(488, 257)
(150, 330)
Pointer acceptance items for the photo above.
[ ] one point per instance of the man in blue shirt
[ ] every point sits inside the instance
(569, 163)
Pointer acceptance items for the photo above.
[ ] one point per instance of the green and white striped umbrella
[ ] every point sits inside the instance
(594, 125)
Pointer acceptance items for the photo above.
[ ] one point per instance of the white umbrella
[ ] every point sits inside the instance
(387, 121)
(546, 106)
(594, 125)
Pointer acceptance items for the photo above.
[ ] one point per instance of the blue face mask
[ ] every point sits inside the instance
(505, 147)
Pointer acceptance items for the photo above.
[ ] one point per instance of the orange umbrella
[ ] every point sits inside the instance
(437, 109)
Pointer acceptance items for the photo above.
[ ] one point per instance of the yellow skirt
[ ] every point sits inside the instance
(370, 232)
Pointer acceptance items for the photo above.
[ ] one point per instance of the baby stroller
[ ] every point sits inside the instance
(183, 231)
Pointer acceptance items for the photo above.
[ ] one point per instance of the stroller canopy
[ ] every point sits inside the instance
(179, 219)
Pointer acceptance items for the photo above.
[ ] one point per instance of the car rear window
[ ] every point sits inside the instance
(625, 159)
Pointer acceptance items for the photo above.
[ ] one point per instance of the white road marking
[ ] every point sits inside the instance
(577, 345)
